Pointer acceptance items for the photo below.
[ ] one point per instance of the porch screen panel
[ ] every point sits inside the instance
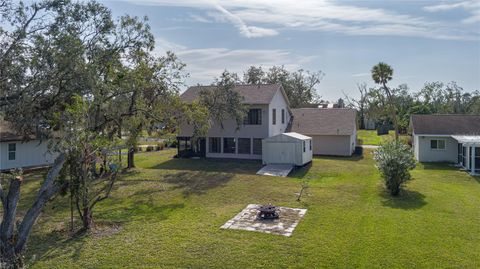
(244, 145)
(229, 145)
(477, 158)
(214, 145)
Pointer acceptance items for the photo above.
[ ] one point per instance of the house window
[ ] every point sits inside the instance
(12, 151)
(274, 116)
(303, 146)
(437, 144)
(254, 117)
(244, 145)
(283, 116)
(257, 146)
(310, 144)
(214, 145)
(229, 145)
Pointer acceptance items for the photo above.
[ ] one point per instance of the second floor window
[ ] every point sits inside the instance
(274, 116)
(254, 117)
(283, 116)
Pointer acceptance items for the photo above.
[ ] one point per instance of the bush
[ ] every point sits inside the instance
(161, 146)
(394, 160)
(149, 148)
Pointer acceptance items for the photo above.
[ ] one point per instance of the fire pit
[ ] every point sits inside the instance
(266, 212)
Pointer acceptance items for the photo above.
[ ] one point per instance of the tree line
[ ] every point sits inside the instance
(394, 105)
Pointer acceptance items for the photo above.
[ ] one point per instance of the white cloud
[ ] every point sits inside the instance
(471, 6)
(361, 75)
(204, 64)
(255, 18)
(198, 18)
(245, 30)
(163, 45)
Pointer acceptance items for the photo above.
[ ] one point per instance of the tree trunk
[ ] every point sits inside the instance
(362, 121)
(393, 110)
(131, 158)
(87, 218)
(13, 241)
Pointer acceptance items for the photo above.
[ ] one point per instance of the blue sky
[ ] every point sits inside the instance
(422, 40)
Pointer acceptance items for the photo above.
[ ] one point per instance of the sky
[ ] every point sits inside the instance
(423, 41)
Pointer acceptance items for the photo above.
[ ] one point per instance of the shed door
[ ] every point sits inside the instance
(281, 153)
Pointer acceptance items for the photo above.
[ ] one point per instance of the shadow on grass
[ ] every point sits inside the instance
(353, 158)
(438, 166)
(211, 165)
(197, 182)
(300, 172)
(407, 199)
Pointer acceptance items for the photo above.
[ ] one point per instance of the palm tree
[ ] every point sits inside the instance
(381, 74)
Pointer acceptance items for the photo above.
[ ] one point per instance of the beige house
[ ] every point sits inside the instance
(269, 115)
(447, 138)
(333, 130)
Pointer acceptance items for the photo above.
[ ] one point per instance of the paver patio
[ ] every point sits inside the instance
(284, 225)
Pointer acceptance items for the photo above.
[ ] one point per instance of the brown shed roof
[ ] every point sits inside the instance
(453, 124)
(324, 121)
(252, 94)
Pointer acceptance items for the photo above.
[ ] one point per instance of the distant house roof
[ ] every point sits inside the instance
(253, 94)
(324, 121)
(7, 133)
(453, 124)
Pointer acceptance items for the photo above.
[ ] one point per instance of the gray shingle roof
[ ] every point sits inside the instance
(324, 121)
(453, 124)
(252, 94)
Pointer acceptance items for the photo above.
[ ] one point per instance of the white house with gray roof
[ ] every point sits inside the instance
(269, 115)
(450, 138)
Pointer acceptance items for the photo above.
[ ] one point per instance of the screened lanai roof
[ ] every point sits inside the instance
(468, 139)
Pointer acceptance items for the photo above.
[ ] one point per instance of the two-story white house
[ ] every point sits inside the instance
(269, 114)
(331, 132)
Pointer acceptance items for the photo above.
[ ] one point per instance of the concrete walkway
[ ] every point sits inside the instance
(369, 146)
(279, 170)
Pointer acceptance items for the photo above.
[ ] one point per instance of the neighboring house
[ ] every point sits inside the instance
(19, 151)
(333, 130)
(370, 124)
(447, 138)
(269, 115)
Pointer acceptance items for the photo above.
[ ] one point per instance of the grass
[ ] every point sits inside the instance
(167, 214)
(370, 137)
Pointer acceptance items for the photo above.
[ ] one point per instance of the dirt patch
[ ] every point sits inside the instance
(102, 229)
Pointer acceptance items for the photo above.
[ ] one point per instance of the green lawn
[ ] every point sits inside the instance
(370, 137)
(167, 214)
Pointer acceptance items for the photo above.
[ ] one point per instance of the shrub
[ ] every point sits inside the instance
(149, 148)
(394, 160)
(161, 145)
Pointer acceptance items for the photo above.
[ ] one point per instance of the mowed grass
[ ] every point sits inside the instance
(167, 214)
(370, 137)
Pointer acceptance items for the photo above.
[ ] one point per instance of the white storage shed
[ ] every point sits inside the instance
(287, 148)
